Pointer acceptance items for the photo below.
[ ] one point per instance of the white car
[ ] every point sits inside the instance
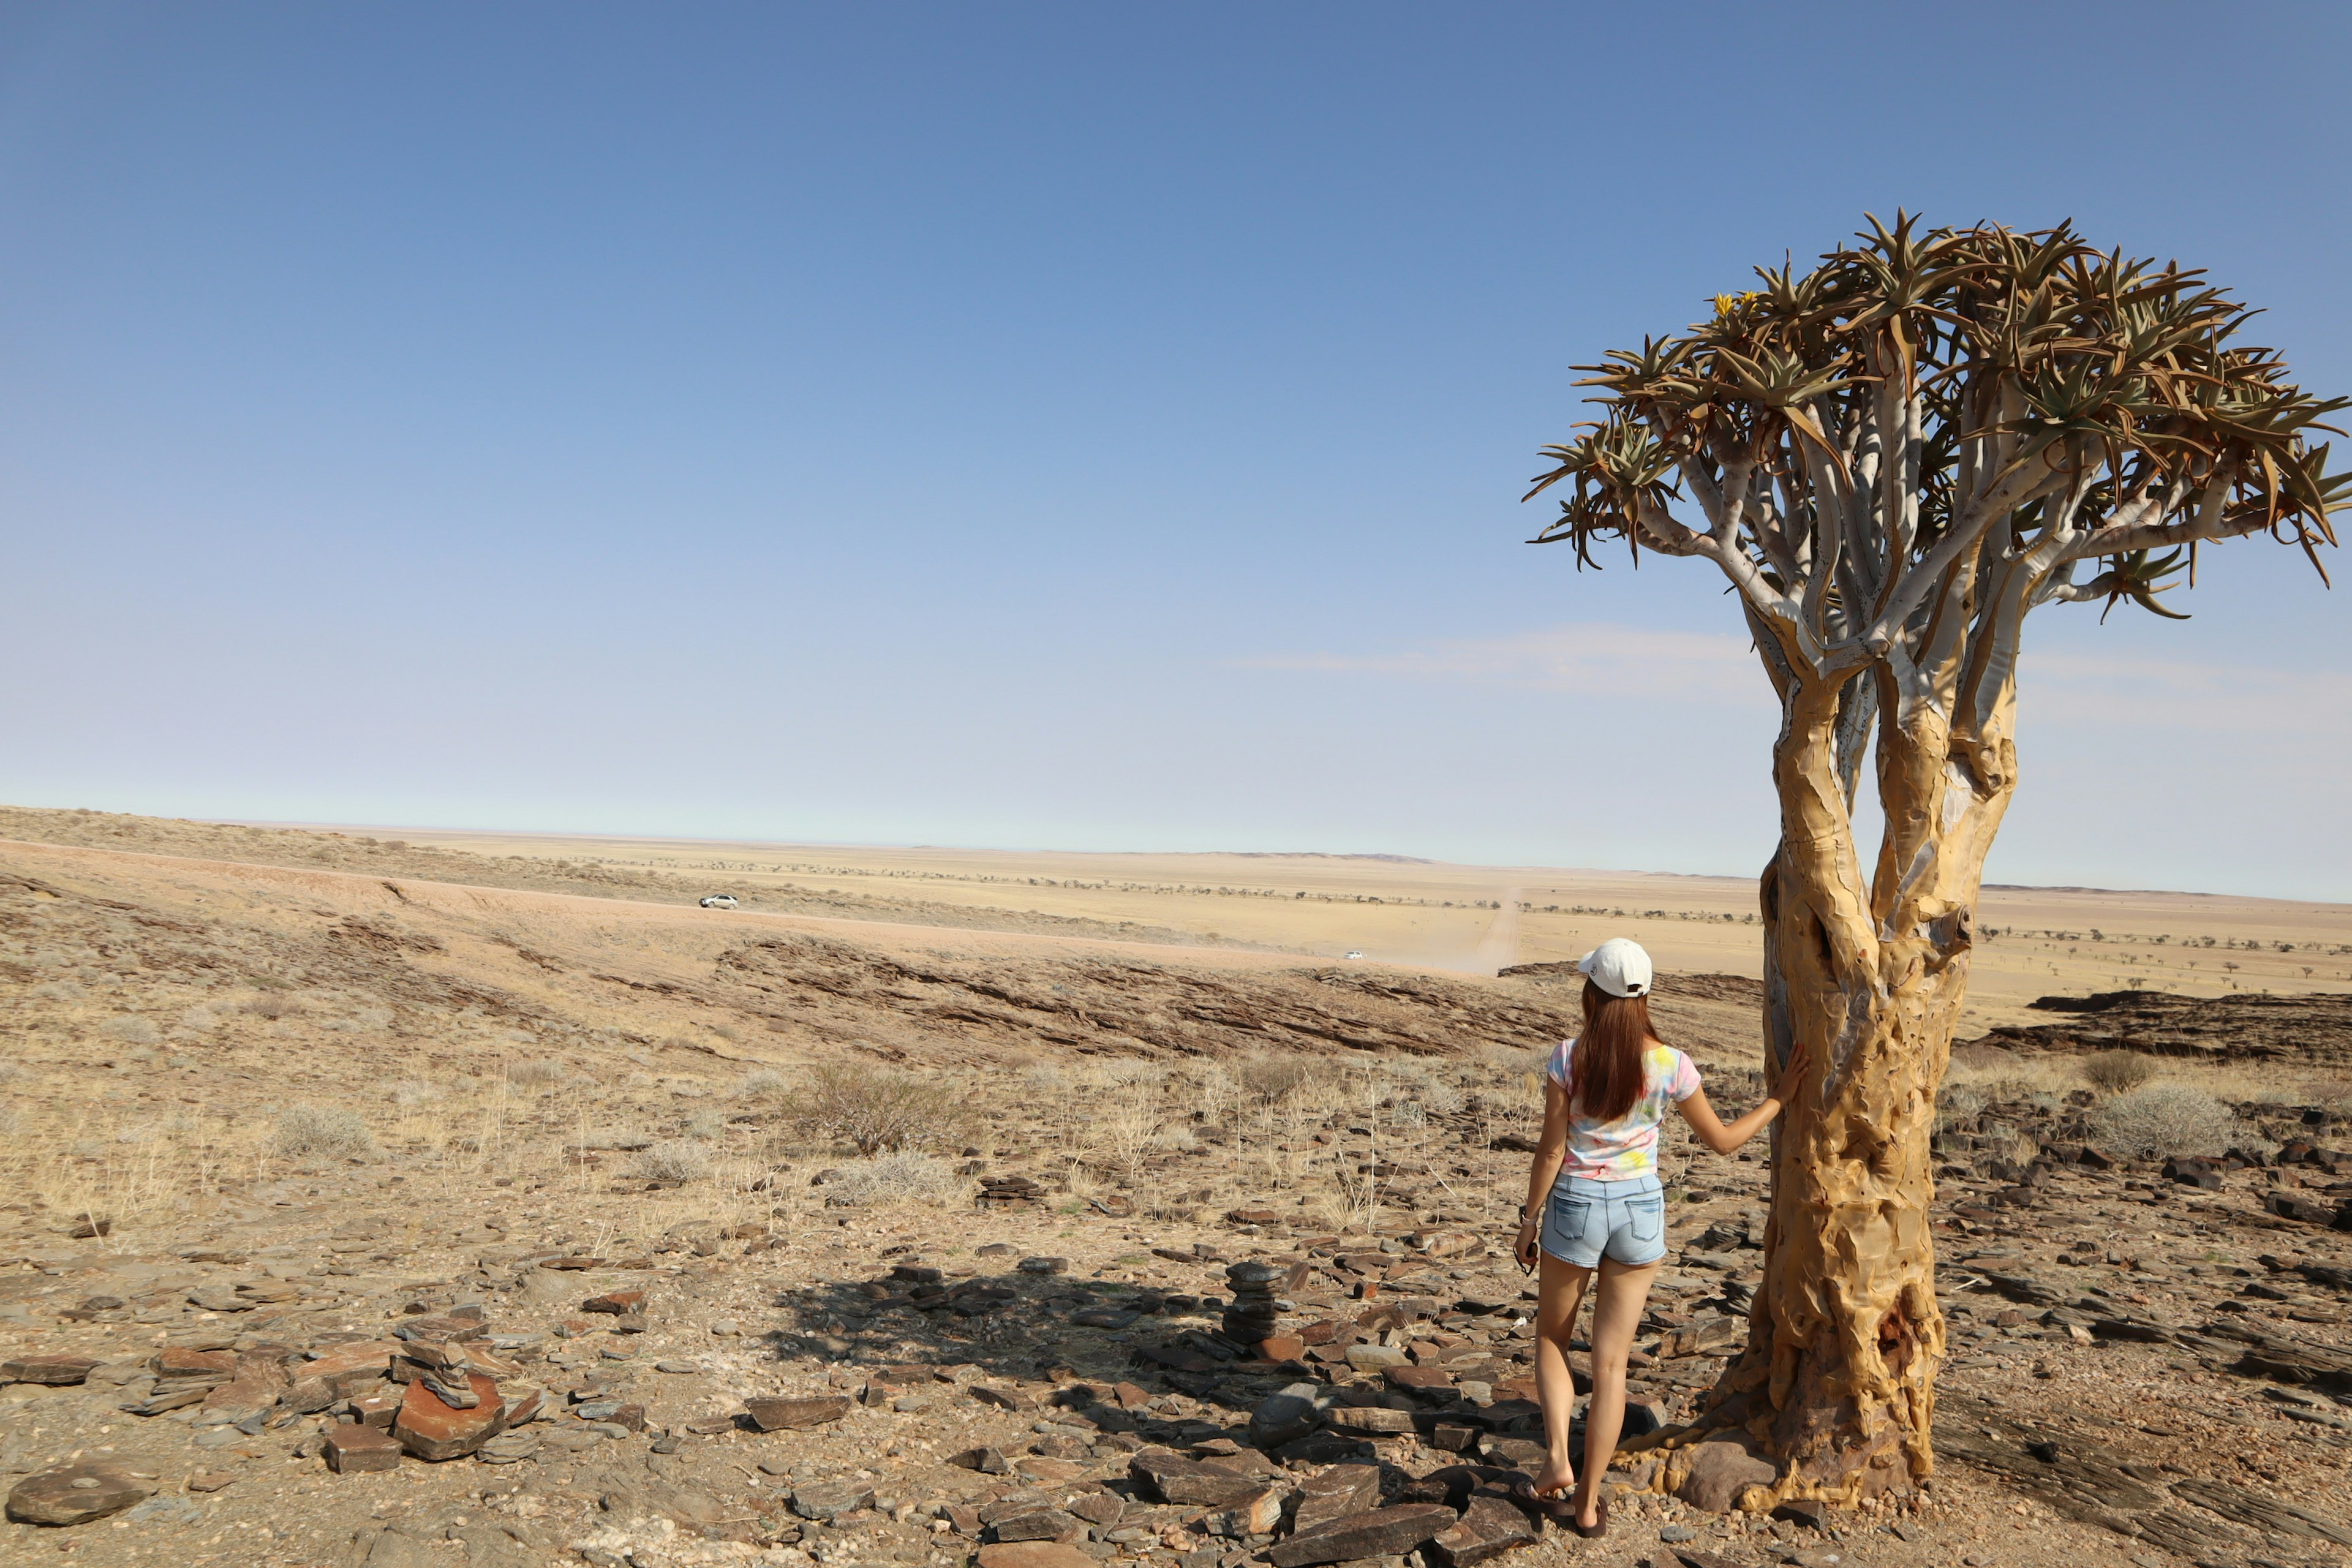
(720, 901)
(1353, 953)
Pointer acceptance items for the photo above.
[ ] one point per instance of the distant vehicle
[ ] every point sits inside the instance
(720, 901)
(1353, 953)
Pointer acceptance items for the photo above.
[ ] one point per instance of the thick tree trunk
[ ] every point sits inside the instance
(1837, 1382)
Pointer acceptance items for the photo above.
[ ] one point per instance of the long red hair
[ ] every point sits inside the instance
(1604, 1072)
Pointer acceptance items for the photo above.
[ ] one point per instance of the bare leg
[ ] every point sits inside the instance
(1559, 1296)
(1615, 1316)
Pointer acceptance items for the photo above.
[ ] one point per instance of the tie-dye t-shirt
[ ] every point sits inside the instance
(1621, 1150)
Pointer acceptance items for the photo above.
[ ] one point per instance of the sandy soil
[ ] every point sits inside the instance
(301, 1093)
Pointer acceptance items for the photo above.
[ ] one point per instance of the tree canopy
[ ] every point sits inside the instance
(1899, 453)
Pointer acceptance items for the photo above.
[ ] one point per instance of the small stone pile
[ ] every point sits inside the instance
(1254, 1312)
(1006, 1192)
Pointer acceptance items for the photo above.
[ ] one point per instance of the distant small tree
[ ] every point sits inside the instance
(1895, 459)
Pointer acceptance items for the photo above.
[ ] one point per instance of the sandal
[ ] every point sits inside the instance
(1599, 1525)
(1558, 1509)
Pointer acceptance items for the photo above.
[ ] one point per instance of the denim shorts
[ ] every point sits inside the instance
(1626, 1220)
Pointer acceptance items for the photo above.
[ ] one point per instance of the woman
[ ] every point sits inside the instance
(1604, 1094)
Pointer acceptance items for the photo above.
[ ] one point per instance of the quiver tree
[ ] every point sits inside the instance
(1896, 458)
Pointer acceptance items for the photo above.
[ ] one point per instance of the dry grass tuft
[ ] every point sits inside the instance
(130, 1029)
(329, 1131)
(536, 1073)
(2165, 1118)
(898, 1178)
(881, 1110)
(674, 1160)
(763, 1083)
(1273, 1078)
(2115, 1072)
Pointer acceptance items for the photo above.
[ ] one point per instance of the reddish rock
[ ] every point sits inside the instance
(1417, 1379)
(430, 1429)
(1035, 1555)
(1283, 1347)
(1381, 1532)
(171, 1362)
(619, 1302)
(55, 1371)
(74, 1494)
(370, 1357)
(353, 1448)
(1129, 1397)
(1322, 1332)
(793, 1415)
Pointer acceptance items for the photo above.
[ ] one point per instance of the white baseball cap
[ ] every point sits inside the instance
(1618, 967)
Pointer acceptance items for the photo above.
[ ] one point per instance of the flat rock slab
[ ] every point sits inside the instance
(75, 1494)
(795, 1414)
(1335, 1493)
(353, 1448)
(1372, 1418)
(363, 1357)
(1040, 1524)
(1172, 1479)
(1487, 1528)
(827, 1499)
(1035, 1555)
(431, 1429)
(1381, 1532)
(54, 1370)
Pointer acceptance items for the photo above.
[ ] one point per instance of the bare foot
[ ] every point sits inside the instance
(1555, 1479)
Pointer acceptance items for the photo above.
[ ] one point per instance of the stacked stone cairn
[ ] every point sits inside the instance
(1008, 1191)
(1254, 1312)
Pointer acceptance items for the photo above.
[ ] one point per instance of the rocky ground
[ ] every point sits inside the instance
(1177, 1305)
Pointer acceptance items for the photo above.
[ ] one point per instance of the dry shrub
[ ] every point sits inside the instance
(199, 1020)
(321, 1129)
(2113, 1072)
(903, 1177)
(1273, 1078)
(881, 1110)
(57, 991)
(272, 1007)
(620, 1138)
(1215, 1089)
(705, 1124)
(2165, 1119)
(536, 1073)
(674, 1160)
(130, 1030)
(412, 1092)
(765, 1083)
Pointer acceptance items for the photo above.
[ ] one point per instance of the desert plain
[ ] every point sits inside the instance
(385, 1196)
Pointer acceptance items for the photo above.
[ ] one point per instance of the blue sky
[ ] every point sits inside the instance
(1095, 427)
